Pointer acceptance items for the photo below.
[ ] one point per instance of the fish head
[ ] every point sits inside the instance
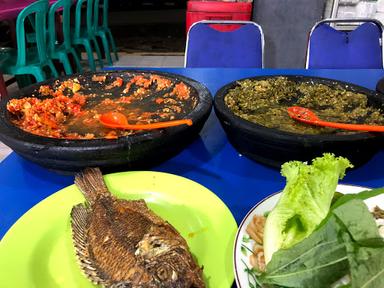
(164, 258)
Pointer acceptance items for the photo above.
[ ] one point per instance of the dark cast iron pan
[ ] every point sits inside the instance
(138, 151)
(273, 147)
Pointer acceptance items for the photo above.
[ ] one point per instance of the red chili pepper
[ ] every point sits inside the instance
(76, 109)
(119, 82)
(159, 100)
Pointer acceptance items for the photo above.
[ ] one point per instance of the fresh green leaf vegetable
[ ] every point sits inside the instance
(306, 264)
(348, 242)
(367, 266)
(336, 197)
(365, 247)
(362, 196)
(357, 220)
(304, 203)
(344, 198)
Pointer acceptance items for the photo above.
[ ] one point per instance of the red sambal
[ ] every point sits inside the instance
(71, 109)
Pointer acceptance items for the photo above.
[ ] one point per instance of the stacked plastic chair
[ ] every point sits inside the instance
(61, 51)
(241, 47)
(24, 60)
(361, 48)
(102, 30)
(84, 36)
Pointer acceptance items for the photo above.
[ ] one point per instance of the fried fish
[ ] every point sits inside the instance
(121, 243)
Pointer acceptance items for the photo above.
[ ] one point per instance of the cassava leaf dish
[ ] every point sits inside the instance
(317, 238)
(265, 101)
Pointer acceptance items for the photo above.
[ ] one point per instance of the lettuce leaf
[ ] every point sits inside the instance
(304, 203)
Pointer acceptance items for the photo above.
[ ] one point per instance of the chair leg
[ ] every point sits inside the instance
(53, 69)
(67, 64)
(23, 80)
(91, 59)
(113, 44)
(98, 52)
(3, 88)
(77, 61)
(107, 51)
(77, 50)
(40, 75)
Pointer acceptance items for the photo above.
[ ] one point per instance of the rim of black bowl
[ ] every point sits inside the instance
(236, 121)
(10, 132)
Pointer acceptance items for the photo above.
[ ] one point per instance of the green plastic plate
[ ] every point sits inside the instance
(37, 251)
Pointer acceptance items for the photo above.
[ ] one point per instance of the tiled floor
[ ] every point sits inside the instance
(130, 60)
(4, 151)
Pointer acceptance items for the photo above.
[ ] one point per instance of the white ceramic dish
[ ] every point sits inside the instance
(242, 248)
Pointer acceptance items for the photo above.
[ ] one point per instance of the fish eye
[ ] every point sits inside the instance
(163, 273)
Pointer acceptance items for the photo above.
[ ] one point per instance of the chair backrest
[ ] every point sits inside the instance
(37, 13)
(360, 48)
(104, 19)
(88, 15)
(65, 7)
(208, 47)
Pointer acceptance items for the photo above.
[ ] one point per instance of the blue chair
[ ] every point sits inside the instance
(209, 47)
(360, 48)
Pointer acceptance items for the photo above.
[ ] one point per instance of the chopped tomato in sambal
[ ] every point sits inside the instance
(71, 109)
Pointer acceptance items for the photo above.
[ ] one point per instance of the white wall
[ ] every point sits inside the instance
(355, 8)
(286, 25)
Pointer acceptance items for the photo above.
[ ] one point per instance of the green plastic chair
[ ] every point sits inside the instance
(85, 36)
(32, 60)
(102, 30)
(62, 50)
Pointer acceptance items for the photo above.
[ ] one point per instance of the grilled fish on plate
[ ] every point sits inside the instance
(122, 243)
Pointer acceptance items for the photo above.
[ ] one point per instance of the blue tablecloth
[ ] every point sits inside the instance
(210, 160)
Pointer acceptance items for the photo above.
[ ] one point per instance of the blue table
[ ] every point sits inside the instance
(210, 160)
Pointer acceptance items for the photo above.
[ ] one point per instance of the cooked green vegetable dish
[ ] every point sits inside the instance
(265, 102)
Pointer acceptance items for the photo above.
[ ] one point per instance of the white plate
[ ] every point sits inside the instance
(241, 258)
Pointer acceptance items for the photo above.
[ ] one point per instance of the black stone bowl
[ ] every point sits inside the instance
(273, 147)
(138, 151)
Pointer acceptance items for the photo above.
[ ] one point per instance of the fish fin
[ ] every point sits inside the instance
(79, 223)
(91, 183)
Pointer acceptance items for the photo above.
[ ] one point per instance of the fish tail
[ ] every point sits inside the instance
(91, 183)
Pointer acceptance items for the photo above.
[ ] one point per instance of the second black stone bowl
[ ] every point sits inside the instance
(273, 147)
